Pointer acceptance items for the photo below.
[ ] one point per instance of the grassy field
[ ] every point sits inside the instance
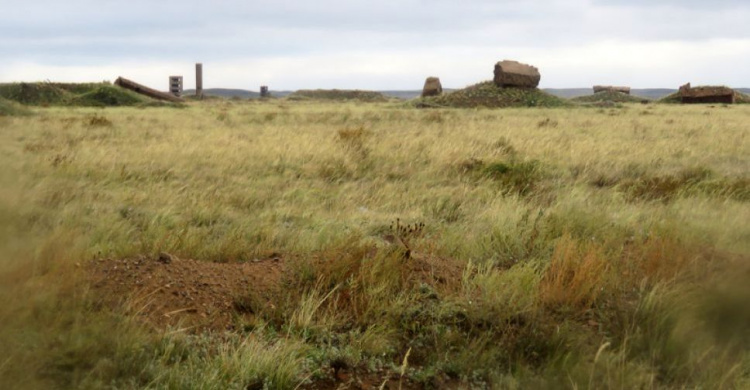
(581, 248)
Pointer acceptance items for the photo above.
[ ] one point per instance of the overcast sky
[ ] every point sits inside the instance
(376, 44)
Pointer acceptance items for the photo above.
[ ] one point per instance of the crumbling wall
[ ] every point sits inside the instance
(707, 94)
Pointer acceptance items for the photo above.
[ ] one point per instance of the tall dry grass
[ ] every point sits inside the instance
(598, 252)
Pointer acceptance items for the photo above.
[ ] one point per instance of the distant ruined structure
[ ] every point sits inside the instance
(432, 87)
(199, 80)
(610, 88)
(264, 93)
(175, 85)
(707, 94)
(144, 90)
(515, 74)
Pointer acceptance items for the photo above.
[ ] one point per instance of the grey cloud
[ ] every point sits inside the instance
(88, 32)
(685, 4)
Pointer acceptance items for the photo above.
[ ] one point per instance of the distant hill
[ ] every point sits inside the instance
(567, 93)
(240, 93)
(650, 93)
(409, 94)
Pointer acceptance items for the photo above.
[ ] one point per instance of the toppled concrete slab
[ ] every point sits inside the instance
(432, 87)
(515, 74)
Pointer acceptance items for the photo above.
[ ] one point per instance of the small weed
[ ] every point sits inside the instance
(354, 141)
(547, 122)
(446, 209)
(470, 165)
(433, 116)
(504, 146)
(518, 177)
(403, 234)
(98, 121)
(61, 159)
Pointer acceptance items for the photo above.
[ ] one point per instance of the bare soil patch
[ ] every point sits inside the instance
(169, 292)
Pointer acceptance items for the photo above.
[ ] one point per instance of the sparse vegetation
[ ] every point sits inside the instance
(446, 248)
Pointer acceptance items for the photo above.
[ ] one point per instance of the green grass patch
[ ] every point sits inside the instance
(109, 96)
(9, 108)
(609, 96)
(338, 95)
(36, 94)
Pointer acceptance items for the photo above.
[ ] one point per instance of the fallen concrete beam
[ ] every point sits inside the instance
(144, 90)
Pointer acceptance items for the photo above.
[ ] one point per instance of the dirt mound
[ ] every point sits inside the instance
(338, 95)
(487, 94)
(173, 292)
(609, 96)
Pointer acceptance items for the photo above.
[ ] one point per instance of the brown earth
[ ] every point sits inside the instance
(168, 292)
(356, 379)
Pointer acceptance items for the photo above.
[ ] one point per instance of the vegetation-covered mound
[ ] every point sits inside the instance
(741, 98)
(9, 108)
(338, 94)
(609, 96)
(72, 94)
(108, 95)
(487, 94)
(676, 98)
(35, 94)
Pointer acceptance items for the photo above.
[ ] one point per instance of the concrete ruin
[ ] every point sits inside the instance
(144, 90)
(432, 87)
(707, 94)
(264, 92)
(515, 74)
(611, 88)
(175, 85)
(199, 80)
